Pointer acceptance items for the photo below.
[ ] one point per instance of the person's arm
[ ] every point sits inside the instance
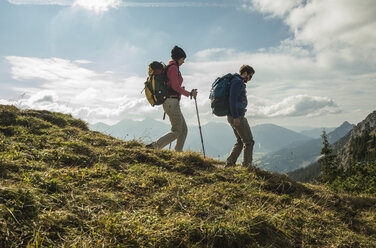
(235, 89)
(172, 75)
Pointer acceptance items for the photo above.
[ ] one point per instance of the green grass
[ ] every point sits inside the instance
(62, 185)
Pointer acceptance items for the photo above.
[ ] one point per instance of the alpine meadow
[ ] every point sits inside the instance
(63, 185)
(187, 124)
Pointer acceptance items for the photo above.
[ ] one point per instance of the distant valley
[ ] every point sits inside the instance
(218, 137)
(298, 156)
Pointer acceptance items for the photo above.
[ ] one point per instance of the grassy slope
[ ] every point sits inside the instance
(65, 186)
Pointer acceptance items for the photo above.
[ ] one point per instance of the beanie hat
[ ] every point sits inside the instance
(177, 53)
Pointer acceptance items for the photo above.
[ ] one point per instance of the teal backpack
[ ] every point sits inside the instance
(219, 95)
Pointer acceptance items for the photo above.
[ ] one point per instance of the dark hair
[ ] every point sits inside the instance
(246, 68)
(177, 53)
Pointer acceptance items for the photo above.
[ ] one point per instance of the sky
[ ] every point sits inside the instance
(315, 60)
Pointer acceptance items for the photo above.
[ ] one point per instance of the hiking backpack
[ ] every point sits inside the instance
(219, 95)
(156, 90)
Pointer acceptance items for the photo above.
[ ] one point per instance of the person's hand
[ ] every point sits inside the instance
(237, 122)
(194, 93)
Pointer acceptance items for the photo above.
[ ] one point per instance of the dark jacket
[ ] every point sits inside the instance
(238, 97)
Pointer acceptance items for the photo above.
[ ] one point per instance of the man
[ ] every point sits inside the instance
(238, 104)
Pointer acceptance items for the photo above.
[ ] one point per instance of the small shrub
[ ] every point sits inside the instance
(33, 125)
(7, 116)
(8, 131)
(194, 159)
(79, 148)
(132, 144)
(21, 204)
(52, 186)
(53, 118)
(69, 159)
(359, 178)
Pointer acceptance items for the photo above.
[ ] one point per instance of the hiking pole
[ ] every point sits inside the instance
(199, 125)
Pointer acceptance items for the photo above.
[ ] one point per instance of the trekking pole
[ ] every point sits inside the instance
(199, 125)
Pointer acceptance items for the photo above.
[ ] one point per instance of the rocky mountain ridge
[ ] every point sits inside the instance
(357, 146)
(302, 155)
(360, 145)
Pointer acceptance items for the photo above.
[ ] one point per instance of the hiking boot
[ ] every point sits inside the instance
(247, 164)
(251, 168)
(227, 165)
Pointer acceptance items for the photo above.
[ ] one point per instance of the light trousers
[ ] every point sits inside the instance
(179, 128)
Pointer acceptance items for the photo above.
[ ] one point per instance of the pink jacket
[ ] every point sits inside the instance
(175, 80)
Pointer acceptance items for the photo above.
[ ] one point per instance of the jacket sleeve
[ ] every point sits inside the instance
(172, 75)
(235, 90)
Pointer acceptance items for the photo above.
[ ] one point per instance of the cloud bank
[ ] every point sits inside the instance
(295, 106)
(340, 33)
(66, 86)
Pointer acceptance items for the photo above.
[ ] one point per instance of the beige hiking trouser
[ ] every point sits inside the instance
(244, 139)
(179, 128)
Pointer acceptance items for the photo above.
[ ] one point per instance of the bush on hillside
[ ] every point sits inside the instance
(360, 178)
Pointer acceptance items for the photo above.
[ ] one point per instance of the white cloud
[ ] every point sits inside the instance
(331, 52)
(24, 68)
(300, 105)
(82, 61)
(344, 29)
(43, 97)
(274, 7)
(214, 53)
(339, 32)
(177, 4)
(65, 86)
(97, 6)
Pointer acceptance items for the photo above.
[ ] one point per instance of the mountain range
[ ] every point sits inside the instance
(357, 146)
(315, 133)
(218, 137)
(298, 156)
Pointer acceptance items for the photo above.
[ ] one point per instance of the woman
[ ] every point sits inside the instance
(172, 104)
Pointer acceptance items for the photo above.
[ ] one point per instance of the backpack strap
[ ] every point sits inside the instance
(170, 91)
(168, 66)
